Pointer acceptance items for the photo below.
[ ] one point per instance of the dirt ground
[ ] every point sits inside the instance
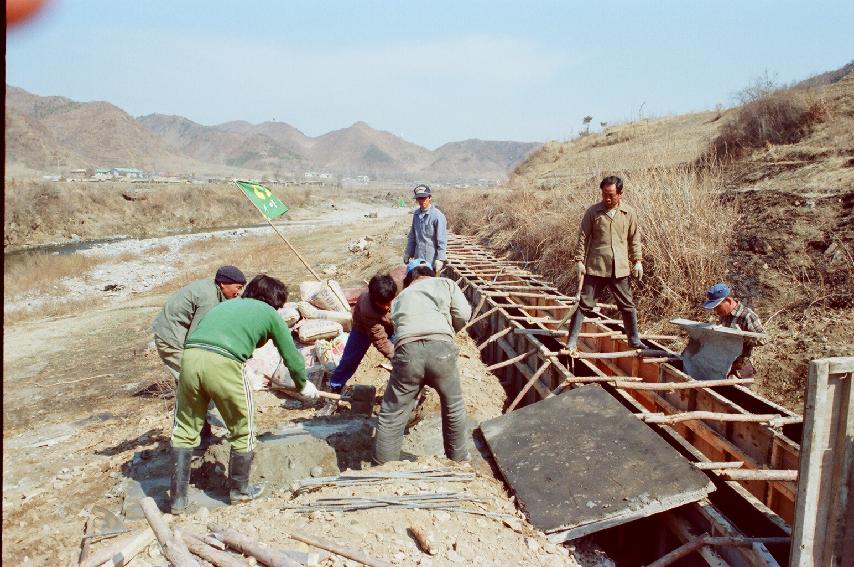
(78, 415)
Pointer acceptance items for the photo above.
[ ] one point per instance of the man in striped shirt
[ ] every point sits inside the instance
(736, 315)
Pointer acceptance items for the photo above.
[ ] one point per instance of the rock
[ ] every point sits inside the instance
(441, 516)
(316, 472)
(454, 557)
(400, 556)
(202, 515)
(532, 544)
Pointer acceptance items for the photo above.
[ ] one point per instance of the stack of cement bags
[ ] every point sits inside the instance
(320, 324)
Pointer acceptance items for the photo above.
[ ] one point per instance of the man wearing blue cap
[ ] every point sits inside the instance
(736, 315)
(426, 316)
(428, 236)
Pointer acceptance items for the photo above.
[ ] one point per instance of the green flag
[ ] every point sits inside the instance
(267, 203)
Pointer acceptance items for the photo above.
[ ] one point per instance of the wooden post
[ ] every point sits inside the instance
(197, 545)
(338, 550)
(249, 546)
(122, 551)
(528, 385)
(510, 361)
(823, 531)
(494, 337)
(173, 548)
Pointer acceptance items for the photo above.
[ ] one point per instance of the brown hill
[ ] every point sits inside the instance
(493, 159)
(38, 148)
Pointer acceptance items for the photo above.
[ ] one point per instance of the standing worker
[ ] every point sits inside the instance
(212, 370)
(736, 315)
(428, 237)
(609, 242)
(426, 316)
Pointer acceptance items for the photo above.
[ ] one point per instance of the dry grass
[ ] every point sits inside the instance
(53, 310)
(37, 271)
(687, 231)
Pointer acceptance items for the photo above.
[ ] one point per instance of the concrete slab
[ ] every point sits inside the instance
(580, 462)
(711, 349)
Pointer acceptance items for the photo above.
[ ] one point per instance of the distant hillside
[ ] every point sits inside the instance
(52, 134)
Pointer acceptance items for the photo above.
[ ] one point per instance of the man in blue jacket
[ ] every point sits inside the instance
(428, 237)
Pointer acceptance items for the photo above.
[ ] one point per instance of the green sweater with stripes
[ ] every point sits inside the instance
(236, 328)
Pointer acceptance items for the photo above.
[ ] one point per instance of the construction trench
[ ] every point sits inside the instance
(746, 446)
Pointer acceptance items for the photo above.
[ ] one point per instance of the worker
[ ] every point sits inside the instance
(428, 236)
(426, 316)
(181, 315)
(608, 251)
(212, 369)
(371, 326)
(736, 315)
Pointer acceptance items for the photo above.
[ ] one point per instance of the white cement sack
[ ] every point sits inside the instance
(330, 297)
(257, 380)
(312, 330)
(308, 289)
(309, 311)
(290, 314)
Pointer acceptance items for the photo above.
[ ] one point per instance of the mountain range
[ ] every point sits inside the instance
(54, 134)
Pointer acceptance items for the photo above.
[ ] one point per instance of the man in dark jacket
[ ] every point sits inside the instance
(371, 326)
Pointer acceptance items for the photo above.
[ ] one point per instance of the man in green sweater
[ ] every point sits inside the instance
(426, 315)
(212, 369)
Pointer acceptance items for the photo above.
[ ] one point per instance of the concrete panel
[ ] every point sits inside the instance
(580, 462)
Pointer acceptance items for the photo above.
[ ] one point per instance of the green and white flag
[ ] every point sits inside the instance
(267, 203)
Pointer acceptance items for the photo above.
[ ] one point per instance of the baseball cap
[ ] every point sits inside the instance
(421, 191)
(716, 294)
(415, 263)
(229, 275)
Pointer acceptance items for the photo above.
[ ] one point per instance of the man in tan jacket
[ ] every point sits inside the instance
(608, 251)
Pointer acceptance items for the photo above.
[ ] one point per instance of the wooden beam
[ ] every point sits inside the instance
(510, 361)
(710, 466)
(758, 474)
(707, 540)
(531, 380)
(668, 386)
(494, 337)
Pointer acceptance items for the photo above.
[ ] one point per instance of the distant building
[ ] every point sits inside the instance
(108, 173)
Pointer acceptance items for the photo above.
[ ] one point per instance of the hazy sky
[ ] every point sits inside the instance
(431, 72)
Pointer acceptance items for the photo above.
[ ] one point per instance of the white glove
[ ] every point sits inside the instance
(637, 271)
(579, 267)
(437, 266)
(309, 392)
(405, 259)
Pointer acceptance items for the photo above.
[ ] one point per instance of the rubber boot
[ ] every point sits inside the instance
(206, 437)
(630, 324)
(574, 329)
(180, 479)
(239, 465)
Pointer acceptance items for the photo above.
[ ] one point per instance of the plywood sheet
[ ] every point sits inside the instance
(580, 462)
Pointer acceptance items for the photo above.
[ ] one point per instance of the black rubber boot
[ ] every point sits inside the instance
(239, 465)
(630, 324)
(206, 437)
(574, 329)
(180, 479)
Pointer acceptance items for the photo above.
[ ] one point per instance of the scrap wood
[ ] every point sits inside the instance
(338, 550)
(772, 419)
(248, 546)
(173, 548)
(121, 551)
(528, 385)
(421, 539)
(199, 545)
(759, 474)
(706, 539)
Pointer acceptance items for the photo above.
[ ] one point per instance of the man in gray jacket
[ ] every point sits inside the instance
(428, 236)
(609, 250)
(426, 316)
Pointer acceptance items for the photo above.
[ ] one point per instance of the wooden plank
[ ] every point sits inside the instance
(824, 522)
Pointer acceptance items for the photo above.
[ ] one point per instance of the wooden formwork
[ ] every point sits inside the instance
(748, 445)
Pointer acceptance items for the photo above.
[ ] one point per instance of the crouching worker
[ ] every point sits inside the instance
(212, 369)
(426, 316)
(371, 326)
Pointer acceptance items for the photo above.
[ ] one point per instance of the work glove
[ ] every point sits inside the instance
(637, 271)
(309, 392)
(579, 267)
(437, 266)
(405, 259)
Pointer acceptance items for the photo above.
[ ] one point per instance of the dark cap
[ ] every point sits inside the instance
(716, 294)
(229, 275)
(421, 191)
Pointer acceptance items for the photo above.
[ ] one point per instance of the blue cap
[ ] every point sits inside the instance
(414, 263)
(421, 191)
(716, 294)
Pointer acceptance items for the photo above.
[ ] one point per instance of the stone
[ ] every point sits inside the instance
(532, 544)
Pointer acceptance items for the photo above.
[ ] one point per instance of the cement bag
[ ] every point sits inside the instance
(330, 297)
(308, 289)
(309, 311)
(257, 380)
(281, 378)
(290, 314)
(312, 330)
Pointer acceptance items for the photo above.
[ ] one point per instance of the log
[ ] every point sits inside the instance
(705, 540)
(619, 335)
(421, 539)
(710, 415)
(528, 385)
(479, 318)
(710, 466)
(173, 548)
(758, 474)
(619, 354)
(121, 551)
(592, 379)
(338, 550)
(681, 385)
(248, 546)
(513, 360)
(200, 547)
(494, 337)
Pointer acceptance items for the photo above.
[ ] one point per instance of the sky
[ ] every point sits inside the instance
(429, 71)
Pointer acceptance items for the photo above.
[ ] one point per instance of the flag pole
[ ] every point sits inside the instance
(282, 236)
